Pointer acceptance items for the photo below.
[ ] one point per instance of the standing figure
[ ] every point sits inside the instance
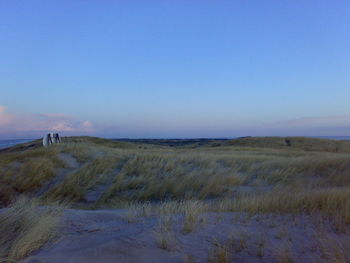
(57, 138)
(51, 138)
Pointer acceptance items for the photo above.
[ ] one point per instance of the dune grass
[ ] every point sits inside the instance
(25, 227)
(250, 174)
(299, 143)
(75, 185)
(253, 175)
(334, 202)
(159, 176)
(26, 171)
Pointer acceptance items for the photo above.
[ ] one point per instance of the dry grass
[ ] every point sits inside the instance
(25, 227)
(327, 248)
(300, 143)
(179, 175)
(334, 202)
(82, 152)
(165, 237)
(168, 175)
(283, 254)
(306, 177)
(75, 185)
(221, 252)
(193, 209)
(162, 239)
(254, 175)
(26, 171)
(332, 249)
(241, 242)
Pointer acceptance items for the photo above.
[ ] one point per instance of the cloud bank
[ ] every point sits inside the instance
(14, 125)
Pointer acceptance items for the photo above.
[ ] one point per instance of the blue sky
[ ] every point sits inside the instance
(174, 68)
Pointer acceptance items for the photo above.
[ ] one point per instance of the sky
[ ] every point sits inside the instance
(174, 69)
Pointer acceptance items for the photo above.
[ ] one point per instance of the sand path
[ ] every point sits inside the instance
(106, 236)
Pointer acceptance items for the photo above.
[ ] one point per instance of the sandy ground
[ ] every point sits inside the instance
(107, 236)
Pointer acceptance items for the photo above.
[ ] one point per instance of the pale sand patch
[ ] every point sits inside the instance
(106, 236)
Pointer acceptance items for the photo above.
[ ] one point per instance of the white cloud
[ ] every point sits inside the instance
(87, 124)
(34, 125)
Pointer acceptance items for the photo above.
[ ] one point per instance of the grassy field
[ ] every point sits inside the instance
(255, 175)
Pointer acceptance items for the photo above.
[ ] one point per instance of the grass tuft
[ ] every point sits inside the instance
(25, 227)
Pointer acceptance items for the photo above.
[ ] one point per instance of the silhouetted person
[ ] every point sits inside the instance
(288, 142)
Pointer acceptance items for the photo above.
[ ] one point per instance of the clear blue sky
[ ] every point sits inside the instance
(175, 68)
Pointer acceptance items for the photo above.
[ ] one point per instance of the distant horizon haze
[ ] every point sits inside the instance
(174, 69)
(12, 142)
